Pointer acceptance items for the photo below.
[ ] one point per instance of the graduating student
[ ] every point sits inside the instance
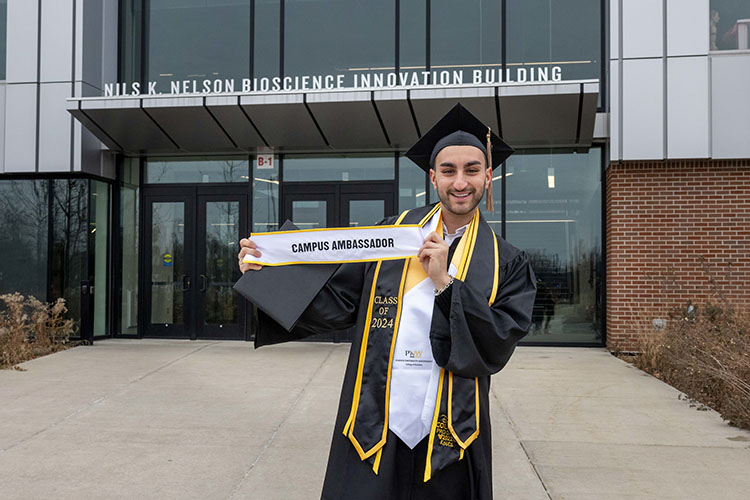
(413, 419)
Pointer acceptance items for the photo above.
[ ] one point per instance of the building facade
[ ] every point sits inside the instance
(143, 138)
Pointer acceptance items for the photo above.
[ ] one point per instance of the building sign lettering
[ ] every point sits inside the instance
(354, 81)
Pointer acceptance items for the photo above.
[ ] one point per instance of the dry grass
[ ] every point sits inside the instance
(30, 328)
(704, 352)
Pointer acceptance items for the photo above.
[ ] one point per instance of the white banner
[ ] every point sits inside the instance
(345, 244)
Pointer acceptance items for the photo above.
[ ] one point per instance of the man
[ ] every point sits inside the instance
(413, 419)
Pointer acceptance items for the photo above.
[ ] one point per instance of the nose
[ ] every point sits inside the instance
(460, 183)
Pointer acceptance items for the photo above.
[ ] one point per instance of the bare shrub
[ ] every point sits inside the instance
(30, 328)
(704, 352)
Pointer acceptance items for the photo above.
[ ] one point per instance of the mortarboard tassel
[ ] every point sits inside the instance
(490, 201)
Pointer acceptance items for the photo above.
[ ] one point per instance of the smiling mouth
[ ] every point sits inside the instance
(461, 196)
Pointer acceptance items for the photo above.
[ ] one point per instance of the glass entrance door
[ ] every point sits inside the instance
(191, 242)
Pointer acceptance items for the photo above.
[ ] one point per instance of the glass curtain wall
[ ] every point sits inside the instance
(198, 40)
(339, 37)
(129, 217)
(24, 226)
(98, 256)
(466, 36)
(70, 238)
(544, 34)
(553, 212)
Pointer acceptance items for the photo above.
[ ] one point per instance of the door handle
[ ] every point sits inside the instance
(185, 283)
(204, 282)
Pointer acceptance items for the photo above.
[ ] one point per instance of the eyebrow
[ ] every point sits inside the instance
(452, 165)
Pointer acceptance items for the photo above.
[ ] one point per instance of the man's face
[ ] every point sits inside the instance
(460, 178)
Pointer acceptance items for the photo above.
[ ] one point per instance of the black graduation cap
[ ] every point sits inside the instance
(284, 292)
(458, 128)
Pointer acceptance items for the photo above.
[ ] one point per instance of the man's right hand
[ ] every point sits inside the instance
(248, 247)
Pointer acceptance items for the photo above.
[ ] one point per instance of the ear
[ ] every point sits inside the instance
(432, 178)
(488, 178)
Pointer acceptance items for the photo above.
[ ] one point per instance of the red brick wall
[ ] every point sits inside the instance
(676, 231)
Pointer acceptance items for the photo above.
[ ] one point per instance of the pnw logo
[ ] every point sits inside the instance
(413, 354)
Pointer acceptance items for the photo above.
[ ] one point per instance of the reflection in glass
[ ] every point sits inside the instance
(466, 36)
(411, 185)
(99, 238)
(729, 22)
(412, 21)
(128, 269)
(558, 224)
(167, 262)
(309, 214)
(267, 41)
(338, 168)
(332, 37)
(366, 212)
(222, 231)
(168, 170)
(24, 225)
(265, 197)
(188, 40)
(543, 34)
(69, 259)
(494, 216)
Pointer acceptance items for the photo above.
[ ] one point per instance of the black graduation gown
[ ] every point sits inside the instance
(468, 338)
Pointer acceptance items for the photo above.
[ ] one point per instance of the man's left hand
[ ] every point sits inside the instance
(434, 258)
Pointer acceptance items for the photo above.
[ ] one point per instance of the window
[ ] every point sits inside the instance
(466, 36)
(199, 40)
(553, 212)
(729, 22)
(339, 37)
(548, 39)
(24, 225)
(177, 170)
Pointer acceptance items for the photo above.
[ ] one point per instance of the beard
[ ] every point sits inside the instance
(460, 207)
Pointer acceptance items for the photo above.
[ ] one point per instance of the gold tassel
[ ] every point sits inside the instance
(490, 200)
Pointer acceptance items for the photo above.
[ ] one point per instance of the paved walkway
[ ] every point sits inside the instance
(217, 420)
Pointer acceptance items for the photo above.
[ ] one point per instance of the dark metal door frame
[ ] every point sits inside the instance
(194, 199)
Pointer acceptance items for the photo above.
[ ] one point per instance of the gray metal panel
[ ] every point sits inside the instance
(188, 123)
(54, 128)
(348, 118)
(226, 109)
(125, 122)
(2, 126)
(20, 128)
(57, 41)
(642, 109)
(687, 107)
(614, 29)
(730, 105)
(687, 27)
(540, 115)
(642, 28)
(431, 104)
(615, 119)
(22, 30)
(394, 110)
(283, 120)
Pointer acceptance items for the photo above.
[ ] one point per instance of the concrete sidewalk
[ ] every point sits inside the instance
(152, 419)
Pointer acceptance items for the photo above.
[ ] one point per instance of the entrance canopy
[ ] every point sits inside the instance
(539, 115)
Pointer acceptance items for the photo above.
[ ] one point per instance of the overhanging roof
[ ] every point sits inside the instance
(539, 115)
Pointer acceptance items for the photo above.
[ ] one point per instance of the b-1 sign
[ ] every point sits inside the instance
(265, 162)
